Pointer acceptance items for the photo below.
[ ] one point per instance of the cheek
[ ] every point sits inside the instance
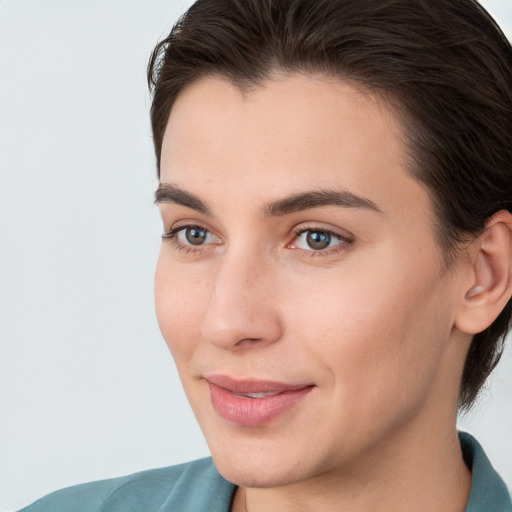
(179, 301)
(380, 338)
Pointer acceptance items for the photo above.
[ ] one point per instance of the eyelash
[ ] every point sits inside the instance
(172, 236)
(344, 241)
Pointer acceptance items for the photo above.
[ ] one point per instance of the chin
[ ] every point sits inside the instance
(251, 474)
(260, 464)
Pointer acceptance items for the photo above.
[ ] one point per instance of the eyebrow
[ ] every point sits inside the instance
(168, 193)
(315, 199)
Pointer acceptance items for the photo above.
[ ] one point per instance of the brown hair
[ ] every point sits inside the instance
(444, 65)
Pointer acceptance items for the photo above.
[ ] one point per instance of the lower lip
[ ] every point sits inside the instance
(253, 412)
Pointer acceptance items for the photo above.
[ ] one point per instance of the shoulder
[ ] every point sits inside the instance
(194, 486)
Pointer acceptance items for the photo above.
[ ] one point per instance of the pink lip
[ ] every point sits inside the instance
(225, 394)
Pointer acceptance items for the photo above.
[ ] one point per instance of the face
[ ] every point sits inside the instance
(299, 286)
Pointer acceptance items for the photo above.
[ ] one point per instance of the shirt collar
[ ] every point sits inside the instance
(488, 491)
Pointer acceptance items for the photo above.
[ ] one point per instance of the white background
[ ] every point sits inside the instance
(88, 389)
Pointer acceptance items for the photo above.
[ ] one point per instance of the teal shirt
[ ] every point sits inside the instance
(198, 487)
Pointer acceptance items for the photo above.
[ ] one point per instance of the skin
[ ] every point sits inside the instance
(371, 321)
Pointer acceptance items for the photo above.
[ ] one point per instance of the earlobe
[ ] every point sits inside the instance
(491, 279)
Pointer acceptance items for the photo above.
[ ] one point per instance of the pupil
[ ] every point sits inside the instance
(318, 240)
(195, 236)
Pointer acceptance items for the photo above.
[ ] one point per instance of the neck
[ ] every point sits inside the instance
(427, 474)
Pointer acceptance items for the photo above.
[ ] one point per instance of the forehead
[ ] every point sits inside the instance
(291, 133)
(297, 113)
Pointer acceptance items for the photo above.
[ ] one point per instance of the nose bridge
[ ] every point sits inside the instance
(242, 309)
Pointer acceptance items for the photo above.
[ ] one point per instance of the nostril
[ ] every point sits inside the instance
(249, 341)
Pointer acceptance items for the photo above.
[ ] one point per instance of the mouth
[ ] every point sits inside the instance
(253, 403)
(258, 395)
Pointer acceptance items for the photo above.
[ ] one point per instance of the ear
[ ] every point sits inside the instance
(489, 286)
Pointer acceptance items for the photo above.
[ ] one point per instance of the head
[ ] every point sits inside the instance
(426, 88)
(444, 67)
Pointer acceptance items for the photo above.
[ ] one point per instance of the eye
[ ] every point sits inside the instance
(317, 240)
(191, 236)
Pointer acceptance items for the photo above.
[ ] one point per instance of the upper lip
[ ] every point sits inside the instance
(252, 385)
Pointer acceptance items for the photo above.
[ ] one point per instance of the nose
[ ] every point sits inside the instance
(243, 309)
